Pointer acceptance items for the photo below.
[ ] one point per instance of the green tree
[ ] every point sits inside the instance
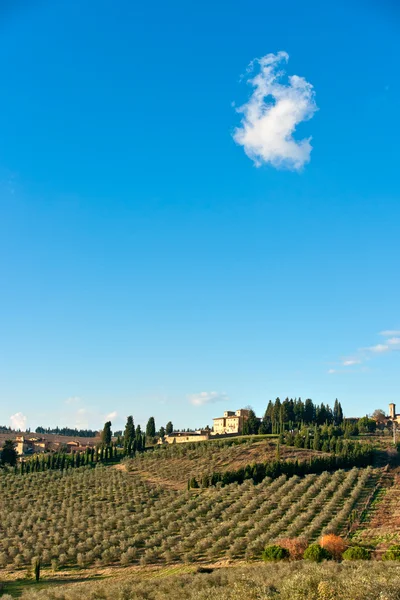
(393, 553)
(316, 553)
(169, 428)
(298, 410)
(9, 454)
(106, 434)
(356, 553)
(129, 432)
(366, 425)
(276, 414)
(298, 440)
(251, 424)
(275, 553)
(161, 433)
(151, 428)
(36, 568)
(317, 439)
(309, 411)
(337, 413)
(139, 439)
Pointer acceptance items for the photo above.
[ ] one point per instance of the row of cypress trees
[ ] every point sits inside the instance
(358, 455)
(62, 460)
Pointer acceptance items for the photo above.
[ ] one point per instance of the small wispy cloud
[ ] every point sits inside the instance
(378, 348)
(351, 361)
(203, 398)
(272, 113)
(72, 400)
(390, 332)
(18, 421)
(391, 344)
(111, 416)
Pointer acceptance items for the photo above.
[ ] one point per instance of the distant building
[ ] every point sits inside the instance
(179, 437)
(231, 422)
(38, 445)
(24, 445)
(392, 413)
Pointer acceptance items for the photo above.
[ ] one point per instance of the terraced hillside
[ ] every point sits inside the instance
(106, 516)
(174, 465)
(381, 527)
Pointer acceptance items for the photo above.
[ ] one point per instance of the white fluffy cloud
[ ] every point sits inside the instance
(203, 398)
(267, 127)
(18, 421)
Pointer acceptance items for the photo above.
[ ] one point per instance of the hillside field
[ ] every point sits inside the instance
(138, 517)
(172, 466)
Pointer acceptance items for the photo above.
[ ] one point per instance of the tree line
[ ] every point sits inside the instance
(292, 413)
(68, 431)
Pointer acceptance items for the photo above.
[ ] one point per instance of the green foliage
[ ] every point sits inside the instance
(106, 434)
(36, 564)
(393, 553)
(316, 553)
(366, 425)
(129, 435)
(252, 424)
(151, 428)
(275, 553)
(356, 553)
(9, 454)
(169, 428)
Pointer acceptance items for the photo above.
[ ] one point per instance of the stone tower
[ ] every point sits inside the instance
(392, 411)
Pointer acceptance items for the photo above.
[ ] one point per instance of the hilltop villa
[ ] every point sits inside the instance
(231, 422)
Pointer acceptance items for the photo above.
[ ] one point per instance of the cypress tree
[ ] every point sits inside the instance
(129, 433)
(317, 442)
(151, 428)
(106, 434)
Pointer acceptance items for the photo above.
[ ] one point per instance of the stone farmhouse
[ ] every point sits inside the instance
(231, 422)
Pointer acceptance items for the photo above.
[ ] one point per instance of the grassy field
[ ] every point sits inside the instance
(282, 581)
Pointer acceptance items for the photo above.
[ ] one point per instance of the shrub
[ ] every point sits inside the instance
(334, 544)
(295, 546)
(392, 554)
(356, 553)
(275, 552)
(316, 553)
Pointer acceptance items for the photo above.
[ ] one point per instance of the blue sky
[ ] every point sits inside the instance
(148, 265)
